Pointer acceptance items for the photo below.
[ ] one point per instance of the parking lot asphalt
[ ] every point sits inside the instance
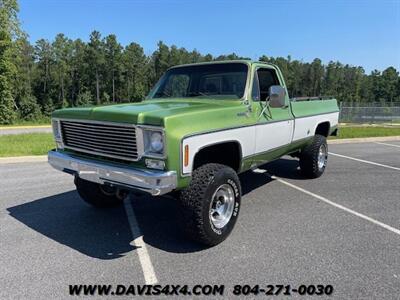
(339, 229)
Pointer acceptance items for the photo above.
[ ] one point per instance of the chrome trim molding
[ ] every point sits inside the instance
(140, 129)
(59, 141)
(150, 181)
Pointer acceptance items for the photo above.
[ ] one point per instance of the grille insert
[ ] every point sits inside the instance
(103, 139)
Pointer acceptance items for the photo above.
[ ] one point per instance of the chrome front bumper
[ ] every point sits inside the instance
(150, 181)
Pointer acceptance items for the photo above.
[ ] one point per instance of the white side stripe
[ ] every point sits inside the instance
(144, 258)
(353, 212)
(364, 161)
(258, 137)
(386, 144)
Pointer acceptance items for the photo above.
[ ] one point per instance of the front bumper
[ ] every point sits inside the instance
(150, 181)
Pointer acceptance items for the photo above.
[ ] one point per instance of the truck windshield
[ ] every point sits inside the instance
(223, 81)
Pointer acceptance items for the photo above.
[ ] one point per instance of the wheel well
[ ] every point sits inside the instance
(323, 129)
(227, 153)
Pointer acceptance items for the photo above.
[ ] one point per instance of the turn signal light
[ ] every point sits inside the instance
(186, 157)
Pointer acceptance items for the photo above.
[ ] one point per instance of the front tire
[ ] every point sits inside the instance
(98, 195)
(314, 157)
(211, 204)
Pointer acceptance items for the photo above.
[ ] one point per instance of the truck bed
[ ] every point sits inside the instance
(308, 114)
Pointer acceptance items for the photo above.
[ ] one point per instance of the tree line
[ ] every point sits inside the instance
(37, 78)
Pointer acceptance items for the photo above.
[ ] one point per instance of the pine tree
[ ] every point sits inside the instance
(62, 48)
(9, 29)
(112, 51)
(43, 76)
(135, 66)
(96, 60)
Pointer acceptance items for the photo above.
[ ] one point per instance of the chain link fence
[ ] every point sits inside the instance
(371, 112)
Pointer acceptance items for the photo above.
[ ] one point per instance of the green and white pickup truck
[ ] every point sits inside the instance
(199, 127)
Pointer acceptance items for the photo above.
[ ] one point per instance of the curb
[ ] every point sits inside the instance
(25, 127)
(365, 140)
(389, 125)
(23, 159)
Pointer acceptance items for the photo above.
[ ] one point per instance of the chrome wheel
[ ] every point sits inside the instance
(322, 156)
(221, 206)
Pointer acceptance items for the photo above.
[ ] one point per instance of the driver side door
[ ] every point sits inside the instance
(274, 126)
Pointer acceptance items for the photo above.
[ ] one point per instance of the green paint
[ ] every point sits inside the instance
(315, 107)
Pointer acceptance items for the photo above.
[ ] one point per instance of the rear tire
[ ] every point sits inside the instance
(96, 194)
(314, 157)
(211, 204)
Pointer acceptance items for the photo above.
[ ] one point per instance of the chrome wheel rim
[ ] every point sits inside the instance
(322, 156)
(221, 206)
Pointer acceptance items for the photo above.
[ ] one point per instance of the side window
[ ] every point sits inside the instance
(266, 78)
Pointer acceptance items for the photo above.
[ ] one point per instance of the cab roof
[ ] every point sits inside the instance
(242, 61)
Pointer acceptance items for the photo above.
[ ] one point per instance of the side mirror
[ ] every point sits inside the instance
(276, 96)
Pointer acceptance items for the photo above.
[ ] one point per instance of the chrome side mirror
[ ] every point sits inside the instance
(276, 96)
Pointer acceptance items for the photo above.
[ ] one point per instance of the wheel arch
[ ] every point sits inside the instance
(323, 128)
(233, 159)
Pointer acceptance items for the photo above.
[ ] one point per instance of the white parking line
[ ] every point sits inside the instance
(386, 144)
(353, 212)
(365, 161)
(144, 257)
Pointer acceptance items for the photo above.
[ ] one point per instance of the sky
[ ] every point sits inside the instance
(357, 32)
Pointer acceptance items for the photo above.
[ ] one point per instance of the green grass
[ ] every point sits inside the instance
(26, 144)
(40, 143)
(360, 132)
(42, 121)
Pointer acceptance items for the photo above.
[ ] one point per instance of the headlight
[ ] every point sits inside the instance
(156, 142)
(153, 142)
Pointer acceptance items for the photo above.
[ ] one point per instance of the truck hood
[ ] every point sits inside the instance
(151, 112)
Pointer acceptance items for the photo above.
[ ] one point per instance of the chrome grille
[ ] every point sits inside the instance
(101, 138)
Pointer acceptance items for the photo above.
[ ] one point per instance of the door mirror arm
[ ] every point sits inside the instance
(266, 107)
